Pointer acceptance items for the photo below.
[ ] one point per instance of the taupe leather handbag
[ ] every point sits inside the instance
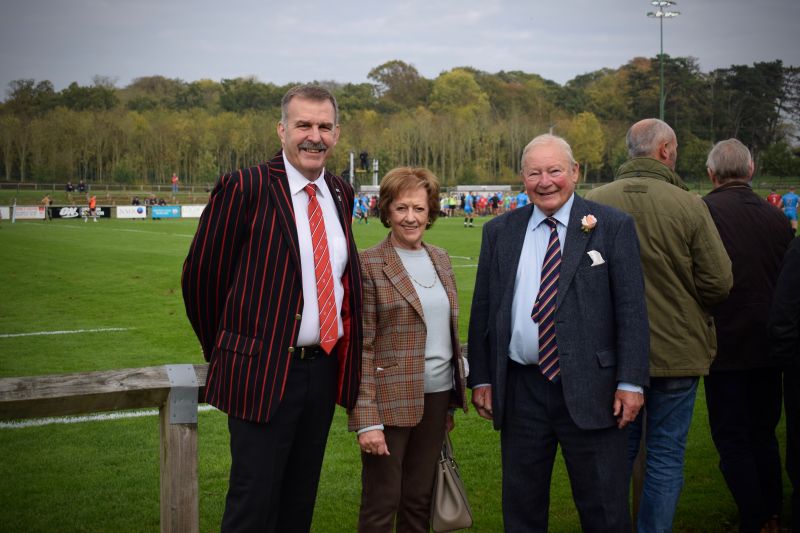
(450, 508)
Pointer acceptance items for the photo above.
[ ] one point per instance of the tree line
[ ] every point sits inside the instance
(467, 125)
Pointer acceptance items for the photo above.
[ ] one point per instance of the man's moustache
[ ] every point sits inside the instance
(313, 146)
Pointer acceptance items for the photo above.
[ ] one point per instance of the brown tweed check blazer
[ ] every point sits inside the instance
(393, 356)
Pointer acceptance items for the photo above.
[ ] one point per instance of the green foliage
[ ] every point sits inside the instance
(780, 160)
(456, 92)
(399, 85)
(125, 171)
(26, 97)
(83, 98)
(692, 154)
(746, 103)
(244, 94)
(587, 140)
(355, 97)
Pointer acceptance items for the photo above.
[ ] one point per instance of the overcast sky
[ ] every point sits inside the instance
(74, 40)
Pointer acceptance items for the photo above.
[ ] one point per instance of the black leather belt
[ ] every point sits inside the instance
(307, 353)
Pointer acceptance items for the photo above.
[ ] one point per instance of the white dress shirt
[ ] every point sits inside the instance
(337, 247)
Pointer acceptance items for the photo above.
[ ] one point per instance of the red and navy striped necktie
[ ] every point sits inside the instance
(544, 309)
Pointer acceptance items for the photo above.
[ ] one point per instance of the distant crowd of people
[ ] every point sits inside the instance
(150, 200)
(468, 205)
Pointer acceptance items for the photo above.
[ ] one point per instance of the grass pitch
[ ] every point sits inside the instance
(123, 277)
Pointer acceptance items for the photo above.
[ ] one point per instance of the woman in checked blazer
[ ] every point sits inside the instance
(412, 370)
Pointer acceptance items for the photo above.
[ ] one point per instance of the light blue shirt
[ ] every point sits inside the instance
(524, 346)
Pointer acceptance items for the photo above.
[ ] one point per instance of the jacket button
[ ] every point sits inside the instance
(298, 316)
(291, 349)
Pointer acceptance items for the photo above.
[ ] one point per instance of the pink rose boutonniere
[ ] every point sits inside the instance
(588, 223)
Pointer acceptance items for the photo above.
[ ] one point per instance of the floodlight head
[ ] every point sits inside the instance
(669, 14)
(657, 14)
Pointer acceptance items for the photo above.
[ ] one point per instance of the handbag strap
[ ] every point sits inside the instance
(447, 451)
(447, 447)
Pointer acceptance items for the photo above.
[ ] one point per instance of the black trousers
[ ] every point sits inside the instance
(275, 467)
(535, 424)
(791, 398)
(744, 408)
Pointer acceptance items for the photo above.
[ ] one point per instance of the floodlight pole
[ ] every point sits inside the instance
(660, 15)
(661, 65)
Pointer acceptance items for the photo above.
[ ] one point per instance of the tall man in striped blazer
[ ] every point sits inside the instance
(272, 287)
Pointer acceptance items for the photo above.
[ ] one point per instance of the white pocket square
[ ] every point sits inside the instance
(596, 258)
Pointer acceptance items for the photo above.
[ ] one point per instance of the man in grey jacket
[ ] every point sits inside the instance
(687, 271)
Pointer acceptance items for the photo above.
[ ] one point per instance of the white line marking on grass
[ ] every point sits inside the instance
(51, 225)
(465, 266)
(460, 257)
(63, 332)
(73, 226)
(36, 422)
(156, 232)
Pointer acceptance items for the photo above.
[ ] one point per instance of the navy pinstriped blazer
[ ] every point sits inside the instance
(243, 291)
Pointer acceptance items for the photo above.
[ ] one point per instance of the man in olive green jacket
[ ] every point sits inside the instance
(687, 271)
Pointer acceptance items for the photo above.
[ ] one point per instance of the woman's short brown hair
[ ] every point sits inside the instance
(402, 179)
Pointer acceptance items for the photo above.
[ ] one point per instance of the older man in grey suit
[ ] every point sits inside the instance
(558, 343)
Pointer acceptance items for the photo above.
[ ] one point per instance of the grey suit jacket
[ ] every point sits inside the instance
(601, 315)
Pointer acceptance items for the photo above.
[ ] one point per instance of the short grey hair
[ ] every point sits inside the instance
(309, 92)
(547, 138)
(645, 137)
(729, 159)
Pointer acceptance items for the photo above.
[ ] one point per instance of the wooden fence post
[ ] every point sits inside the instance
(178, 424)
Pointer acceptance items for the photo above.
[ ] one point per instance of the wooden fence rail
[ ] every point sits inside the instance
(174, 389)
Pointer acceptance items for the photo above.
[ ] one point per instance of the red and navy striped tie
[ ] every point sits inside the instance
(544, 309)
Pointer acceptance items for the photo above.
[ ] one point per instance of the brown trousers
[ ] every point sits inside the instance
(400, 485)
